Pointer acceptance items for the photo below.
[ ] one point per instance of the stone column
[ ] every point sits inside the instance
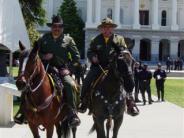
(50, 10)
(117, 12)
(136, 48)
(89, 13)
(174, 48)
(98, 11)
(174, 25)
(155, 49)
(155, 25)
(136, 24)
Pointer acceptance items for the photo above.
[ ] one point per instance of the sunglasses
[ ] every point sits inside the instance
(57, 26)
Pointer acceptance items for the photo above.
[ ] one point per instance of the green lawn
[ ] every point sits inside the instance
(15, 71)
(174, 91)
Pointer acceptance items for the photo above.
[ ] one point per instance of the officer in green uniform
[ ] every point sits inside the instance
(54, 49)
(98, 54)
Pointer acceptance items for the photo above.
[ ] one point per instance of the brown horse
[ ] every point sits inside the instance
(42, 105)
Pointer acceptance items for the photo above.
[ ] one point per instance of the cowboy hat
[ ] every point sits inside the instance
(56, 20)
(107, 22)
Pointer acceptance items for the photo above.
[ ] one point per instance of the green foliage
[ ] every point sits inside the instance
(72, 21)
(33, 14)
(34, 35)
(32, 11)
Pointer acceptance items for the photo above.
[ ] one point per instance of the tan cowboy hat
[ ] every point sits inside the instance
(56, 20)
(107, 22)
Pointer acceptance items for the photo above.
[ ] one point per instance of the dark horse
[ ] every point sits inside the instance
(42, 104)
(108, 98)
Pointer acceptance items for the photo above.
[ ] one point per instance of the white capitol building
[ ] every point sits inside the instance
(156, 26)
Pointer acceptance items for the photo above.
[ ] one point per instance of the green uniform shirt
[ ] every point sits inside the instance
(99, 47)
(60, 48)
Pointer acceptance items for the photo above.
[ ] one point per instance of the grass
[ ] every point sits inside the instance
(15, 107)
(174, 91)
(15, 71)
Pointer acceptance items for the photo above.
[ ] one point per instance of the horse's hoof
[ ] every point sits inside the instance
(82, 108)
(74, 123)
(19, 119)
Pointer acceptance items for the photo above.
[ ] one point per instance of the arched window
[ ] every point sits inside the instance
(121, 16)
(109, 13)
(164, 18)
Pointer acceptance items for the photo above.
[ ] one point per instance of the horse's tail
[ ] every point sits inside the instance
(108, 125)
(92, 129)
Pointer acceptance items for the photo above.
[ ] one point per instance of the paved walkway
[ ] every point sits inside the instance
(158, 120)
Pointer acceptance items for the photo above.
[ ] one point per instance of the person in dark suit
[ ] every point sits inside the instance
(168, 64)
(160, 76)
(145, 77)
(136, 80)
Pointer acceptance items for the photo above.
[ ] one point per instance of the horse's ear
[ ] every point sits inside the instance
(21, 46)
(36, 47)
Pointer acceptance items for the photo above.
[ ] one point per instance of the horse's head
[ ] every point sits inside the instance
(120, 63)
(28, 64)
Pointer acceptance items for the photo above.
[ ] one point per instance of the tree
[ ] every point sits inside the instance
(33, 14)
(73, 24)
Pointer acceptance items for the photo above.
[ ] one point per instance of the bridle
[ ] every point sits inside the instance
(40, 83)
(29, 81)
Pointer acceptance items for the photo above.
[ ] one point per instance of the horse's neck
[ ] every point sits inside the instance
(45, 88)
(111, 82)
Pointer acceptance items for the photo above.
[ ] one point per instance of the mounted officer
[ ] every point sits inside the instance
(98, 54)
(54, 49)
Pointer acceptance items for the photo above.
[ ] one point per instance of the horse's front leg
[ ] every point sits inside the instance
(99, 126)
(58, 129)
(74, 129)
(50, 130)
(34, 130)
(117, 123)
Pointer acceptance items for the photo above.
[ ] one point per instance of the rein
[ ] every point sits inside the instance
(40, 83)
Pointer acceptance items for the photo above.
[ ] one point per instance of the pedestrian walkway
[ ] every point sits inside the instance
(158, 120)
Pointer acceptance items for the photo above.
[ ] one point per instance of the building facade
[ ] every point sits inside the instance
(156, 26)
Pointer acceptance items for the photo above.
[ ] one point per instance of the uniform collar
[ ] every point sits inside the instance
(109, 40)
(58, 39)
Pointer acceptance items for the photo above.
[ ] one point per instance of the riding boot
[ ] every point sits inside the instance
(71, 100)
(19, 118)
(84, 100)
(131, 106)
